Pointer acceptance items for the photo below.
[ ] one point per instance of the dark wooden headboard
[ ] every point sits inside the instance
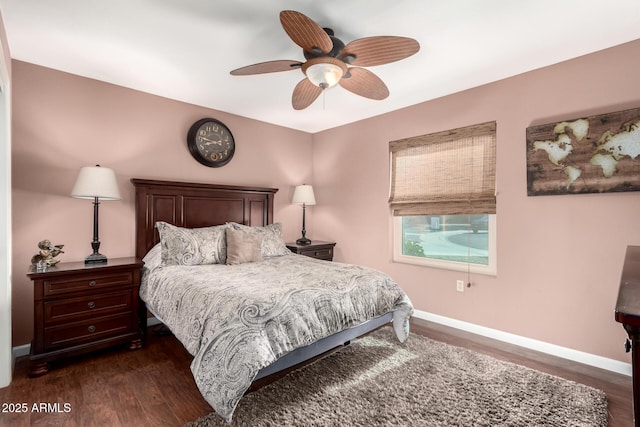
(192, 205)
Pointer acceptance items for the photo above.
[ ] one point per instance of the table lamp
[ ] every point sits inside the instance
(303, 195)
(96, 183)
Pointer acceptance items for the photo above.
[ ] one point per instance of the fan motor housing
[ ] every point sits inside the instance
(338, 45)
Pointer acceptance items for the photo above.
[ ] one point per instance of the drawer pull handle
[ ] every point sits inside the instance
(92, 283)
(91, 304)
(91, 328)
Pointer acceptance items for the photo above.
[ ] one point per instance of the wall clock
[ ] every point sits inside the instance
(211, 142)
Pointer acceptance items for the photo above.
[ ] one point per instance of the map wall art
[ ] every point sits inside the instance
(595, 154)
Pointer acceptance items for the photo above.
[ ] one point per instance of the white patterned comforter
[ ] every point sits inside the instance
(237, 319)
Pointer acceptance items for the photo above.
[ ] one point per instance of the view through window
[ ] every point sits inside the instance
(462, 238)
(458, 242)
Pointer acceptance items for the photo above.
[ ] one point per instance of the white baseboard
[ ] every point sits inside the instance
(152, 321)
(23, 350)
(541, 346)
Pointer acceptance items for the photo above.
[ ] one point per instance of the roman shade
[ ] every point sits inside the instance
(445, 173)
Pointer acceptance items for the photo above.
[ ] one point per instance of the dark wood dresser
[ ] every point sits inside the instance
(628, 313)
(79, 308)
(317, 249)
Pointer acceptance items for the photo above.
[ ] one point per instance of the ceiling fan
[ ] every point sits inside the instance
(329, 61)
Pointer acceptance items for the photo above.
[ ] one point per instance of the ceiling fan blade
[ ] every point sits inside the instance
(364, 83)
(267, 67)
(378, 50)
(304, 94)
(305, 32)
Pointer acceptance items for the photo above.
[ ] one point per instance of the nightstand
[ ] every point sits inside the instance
(80, 308)
(317, 249)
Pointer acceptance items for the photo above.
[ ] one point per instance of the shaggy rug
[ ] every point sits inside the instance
(376, 381)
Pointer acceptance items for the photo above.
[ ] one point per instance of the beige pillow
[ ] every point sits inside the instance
(243, 246)
(272, 241)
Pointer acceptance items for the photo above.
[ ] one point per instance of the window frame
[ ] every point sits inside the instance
(451, 172)
(490, 269)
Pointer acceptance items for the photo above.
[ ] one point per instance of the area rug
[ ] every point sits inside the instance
(376, 381)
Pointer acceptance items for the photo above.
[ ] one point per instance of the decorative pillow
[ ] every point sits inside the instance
(243, 246)
(272, 242)
(192, 246)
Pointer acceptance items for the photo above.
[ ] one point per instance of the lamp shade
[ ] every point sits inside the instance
(303, 195)
(96, 181)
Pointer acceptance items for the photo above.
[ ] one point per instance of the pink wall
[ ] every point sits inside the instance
(559, 257)
(62, 122)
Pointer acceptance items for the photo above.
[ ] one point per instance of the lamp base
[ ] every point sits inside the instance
(303, 241)
(95, 258)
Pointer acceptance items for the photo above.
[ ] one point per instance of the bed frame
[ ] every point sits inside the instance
(194, 205)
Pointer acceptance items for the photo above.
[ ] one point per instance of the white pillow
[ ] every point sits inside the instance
(153, 258)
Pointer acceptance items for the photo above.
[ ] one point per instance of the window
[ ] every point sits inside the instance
(455, 242)
(443, 199)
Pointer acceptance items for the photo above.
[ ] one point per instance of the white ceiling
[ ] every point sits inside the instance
(185, 49)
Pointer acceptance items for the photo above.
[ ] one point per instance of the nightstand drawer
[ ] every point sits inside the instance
(74, 309)
(83, 283)
(88, 331)
(323, 253)
(317, 249)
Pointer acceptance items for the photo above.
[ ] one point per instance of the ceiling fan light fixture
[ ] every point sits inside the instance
(324, 75)
(324, 72)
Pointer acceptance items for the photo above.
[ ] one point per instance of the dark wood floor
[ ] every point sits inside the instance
(154, 386)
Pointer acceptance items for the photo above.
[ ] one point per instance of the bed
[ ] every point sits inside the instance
(219, 276)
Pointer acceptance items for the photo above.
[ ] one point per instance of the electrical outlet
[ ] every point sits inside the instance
(460, 285)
